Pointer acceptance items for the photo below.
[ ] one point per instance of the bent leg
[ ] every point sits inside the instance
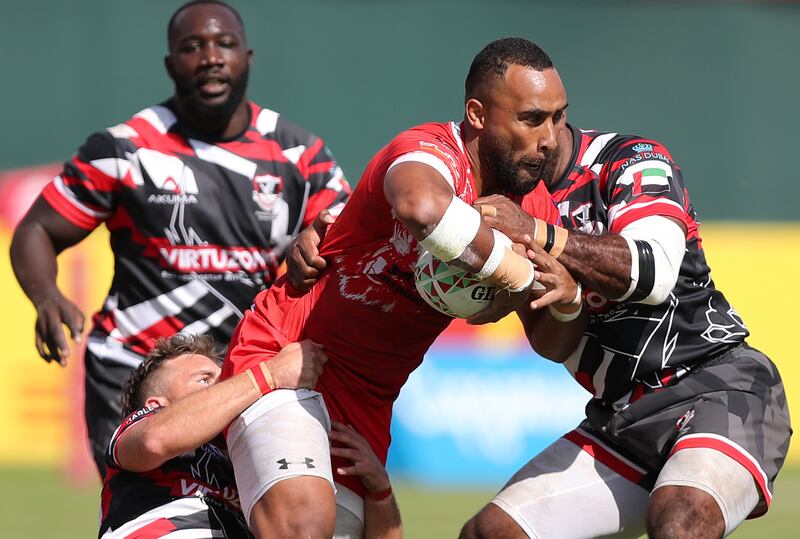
(700, 493)
(565, 493)
(280, 453)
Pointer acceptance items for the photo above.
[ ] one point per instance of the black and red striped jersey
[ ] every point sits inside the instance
(197, 227)
(195, 491)
(613, 180)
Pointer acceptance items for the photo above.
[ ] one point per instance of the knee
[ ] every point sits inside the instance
(491, 523)
(303, 522)
(683, 512)
(293, 513)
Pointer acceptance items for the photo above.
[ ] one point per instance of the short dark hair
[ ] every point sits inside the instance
(493, 61)
(141, 381)
(171, 23)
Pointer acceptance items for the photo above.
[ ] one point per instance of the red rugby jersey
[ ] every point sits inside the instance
(365, 310)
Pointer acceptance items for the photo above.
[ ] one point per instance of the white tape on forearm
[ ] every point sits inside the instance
(456, 229)
(495, 257)
(668, 243)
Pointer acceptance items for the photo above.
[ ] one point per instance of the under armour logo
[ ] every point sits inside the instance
(284, 464)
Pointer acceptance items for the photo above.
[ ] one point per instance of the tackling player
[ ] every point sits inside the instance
(365, 310)
(689, 425)
(165, 473)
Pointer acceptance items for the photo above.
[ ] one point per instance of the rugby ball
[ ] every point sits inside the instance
(450, 289)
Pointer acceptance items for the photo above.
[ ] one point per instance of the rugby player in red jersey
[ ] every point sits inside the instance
(415, 192)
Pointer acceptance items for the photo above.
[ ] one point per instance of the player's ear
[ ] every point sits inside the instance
(474, 113)
(156, 402)
(168, 65)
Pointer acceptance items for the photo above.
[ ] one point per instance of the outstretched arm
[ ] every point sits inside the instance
(39, 238)
(640, 263)
(198, 418)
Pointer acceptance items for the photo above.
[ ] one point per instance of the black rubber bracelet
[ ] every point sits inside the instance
(647, 271)
(551, 237)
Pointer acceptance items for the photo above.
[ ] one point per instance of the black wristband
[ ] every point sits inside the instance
(647, 271)
(551, 237)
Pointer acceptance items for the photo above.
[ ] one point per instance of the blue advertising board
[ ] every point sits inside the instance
(473, 416)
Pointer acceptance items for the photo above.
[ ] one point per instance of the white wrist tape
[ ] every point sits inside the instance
(657, 246)
(578, 295)
(455, 231)
(564, 317)
(501, 243)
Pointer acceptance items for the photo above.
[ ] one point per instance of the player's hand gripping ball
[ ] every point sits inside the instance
(452, 290)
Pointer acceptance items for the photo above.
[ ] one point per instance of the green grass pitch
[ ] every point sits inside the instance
(41, 504)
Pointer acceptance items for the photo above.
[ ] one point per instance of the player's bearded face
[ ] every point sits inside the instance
(515, 174)
(190, 91)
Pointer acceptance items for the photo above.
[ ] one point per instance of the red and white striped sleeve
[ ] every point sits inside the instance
(86, 191)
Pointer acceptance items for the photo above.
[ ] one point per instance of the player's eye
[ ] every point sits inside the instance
(190, 46)
(227, 43)
(558, 116)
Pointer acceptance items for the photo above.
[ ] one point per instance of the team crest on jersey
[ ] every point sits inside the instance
(642, 147)
(267, 191)
(581, 216)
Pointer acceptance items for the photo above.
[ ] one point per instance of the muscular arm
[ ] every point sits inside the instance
(602, 263)
(198, 418)
(185, 424)
(551, 338)
(419, 197)
(39, 238)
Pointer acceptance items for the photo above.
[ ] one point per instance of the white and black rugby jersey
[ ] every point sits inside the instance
(613, 180)
(197, 227)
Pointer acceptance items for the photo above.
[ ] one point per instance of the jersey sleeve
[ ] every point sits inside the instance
(136, 417)
(86, 191)
(642, 180)
(419, 145)
(317, 167)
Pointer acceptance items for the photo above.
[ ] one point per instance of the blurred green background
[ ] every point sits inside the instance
(717, 82)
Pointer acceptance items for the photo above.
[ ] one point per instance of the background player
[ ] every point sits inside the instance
(682, 406)
(201, 195)
(365, 309)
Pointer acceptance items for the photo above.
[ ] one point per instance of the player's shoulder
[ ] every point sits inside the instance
(447, 132)
(602, 147)
(272, 124)
(442, 139)
(141, 129)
